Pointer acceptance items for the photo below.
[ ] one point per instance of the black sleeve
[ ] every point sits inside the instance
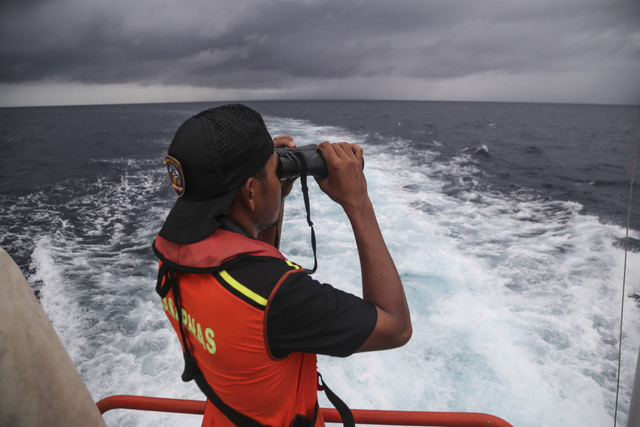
(308, 316)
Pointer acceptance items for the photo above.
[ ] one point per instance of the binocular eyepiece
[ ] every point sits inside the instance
(304, 160)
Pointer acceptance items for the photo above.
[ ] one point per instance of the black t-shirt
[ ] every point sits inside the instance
(306, 315)
(309, 316)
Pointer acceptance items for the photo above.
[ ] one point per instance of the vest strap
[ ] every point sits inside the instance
(343, 409)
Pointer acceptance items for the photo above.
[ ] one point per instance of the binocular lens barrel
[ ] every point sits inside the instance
(304, 160)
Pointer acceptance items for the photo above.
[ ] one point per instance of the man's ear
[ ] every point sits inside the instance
(247, 193)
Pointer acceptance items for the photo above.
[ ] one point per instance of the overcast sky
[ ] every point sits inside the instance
(56, 52)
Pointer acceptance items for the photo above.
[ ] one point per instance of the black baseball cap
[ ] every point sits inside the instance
(212, 154)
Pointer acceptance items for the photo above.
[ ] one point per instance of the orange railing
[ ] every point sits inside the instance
(361, 416)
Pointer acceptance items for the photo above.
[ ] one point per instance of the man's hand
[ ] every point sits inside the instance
(346, 183)
(284, 141)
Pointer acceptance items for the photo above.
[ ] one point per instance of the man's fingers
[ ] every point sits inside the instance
(284, 141)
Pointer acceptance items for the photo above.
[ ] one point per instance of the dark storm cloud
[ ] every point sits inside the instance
(270, 44)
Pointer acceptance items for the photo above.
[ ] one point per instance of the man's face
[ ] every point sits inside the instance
(268, 195)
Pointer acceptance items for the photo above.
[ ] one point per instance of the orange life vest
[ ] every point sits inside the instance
(224, 324)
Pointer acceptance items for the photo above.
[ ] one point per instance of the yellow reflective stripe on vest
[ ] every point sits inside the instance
(242, 289)
(297, 267)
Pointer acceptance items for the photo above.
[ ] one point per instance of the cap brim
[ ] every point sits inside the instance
(191, 221)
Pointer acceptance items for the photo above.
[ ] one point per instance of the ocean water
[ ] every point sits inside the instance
(506, 221)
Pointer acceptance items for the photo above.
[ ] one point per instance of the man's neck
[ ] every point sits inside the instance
(230, 224)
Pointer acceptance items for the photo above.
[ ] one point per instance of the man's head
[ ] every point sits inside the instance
(212, 154)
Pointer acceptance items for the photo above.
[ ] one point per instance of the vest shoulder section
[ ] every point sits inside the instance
(259, 274)
(215, 250)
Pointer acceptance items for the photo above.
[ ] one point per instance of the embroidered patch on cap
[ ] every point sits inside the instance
(174, 168)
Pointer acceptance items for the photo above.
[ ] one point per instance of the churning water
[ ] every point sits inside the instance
(506, 222)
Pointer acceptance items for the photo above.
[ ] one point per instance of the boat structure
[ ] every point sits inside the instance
(41, 386)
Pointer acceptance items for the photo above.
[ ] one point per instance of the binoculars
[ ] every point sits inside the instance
(304, 160)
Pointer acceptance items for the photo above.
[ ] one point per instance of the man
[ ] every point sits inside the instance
(253, 321)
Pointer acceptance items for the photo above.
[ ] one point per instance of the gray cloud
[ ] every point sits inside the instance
(278, 44)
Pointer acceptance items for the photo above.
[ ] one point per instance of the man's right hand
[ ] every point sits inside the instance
(345, 183)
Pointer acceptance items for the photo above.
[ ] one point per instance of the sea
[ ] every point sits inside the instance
(507, 222)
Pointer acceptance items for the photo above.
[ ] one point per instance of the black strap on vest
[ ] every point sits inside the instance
(167, 281)
(343, 409)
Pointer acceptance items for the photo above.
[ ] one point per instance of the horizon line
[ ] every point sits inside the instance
(313, 100)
